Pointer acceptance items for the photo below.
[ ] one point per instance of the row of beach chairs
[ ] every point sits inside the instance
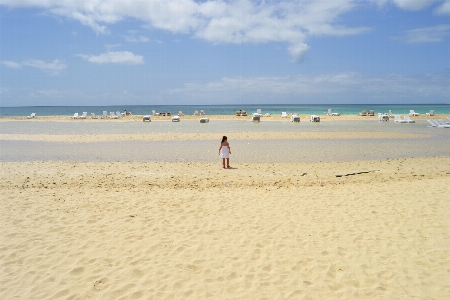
(180, 113)
(439, 123)
(112, 115)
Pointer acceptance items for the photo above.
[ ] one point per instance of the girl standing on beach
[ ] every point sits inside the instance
(225, 151)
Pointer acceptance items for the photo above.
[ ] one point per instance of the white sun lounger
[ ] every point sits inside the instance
(75, 116)
(413, 113)
(284, 114)
(432, 124)
(436, 123)
(146, 118)
(408, 119)
(295, 118)
(332, 113)
(431, 113)
(398, 119)
(93, 116)
(314, 118)
(33, 115)
(176, 119)
(84, 115)
(196, 113)
(204, 120)
(112, 115)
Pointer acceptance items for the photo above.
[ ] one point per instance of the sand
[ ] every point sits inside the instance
(143, 230)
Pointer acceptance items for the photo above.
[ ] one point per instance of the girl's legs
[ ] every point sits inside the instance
(223, 162)
(228, 162)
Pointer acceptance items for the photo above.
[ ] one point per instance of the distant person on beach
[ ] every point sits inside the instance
(225, 151)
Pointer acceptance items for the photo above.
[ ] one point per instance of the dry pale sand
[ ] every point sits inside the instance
(138, 118)
(195, 231)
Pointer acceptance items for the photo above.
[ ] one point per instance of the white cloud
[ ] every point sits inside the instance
(414, 5)
(11, 64)
(132, 37)
(234, 21)
(119, 57)
(425, 35)
(444, 8)
(298, 51)
(53, 68)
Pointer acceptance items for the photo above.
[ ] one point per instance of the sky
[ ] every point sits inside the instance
(181, 52)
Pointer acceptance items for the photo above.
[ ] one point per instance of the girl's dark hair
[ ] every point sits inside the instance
(224, 138)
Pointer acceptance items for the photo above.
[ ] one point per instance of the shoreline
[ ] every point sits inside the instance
(138, 118)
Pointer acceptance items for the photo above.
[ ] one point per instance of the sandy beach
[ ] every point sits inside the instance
(356, 229)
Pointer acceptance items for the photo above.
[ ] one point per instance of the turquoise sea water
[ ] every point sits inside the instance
(226, 109)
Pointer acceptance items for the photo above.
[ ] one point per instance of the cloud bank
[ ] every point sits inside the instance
(234, 21)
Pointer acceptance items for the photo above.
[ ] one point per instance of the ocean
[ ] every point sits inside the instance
(344, 109)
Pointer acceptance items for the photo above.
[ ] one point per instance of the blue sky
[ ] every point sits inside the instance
(107, 52)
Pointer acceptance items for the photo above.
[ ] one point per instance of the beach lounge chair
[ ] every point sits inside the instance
(383, 117)
(202, 112)
(196, 113)
(258, 111)
(390, 114)
(295, 118)
(112, 115)
(244, 113)
(267, 115)
(146, 118)
(93, 116)
(413, 113)
(119, 114)
(448, 119)
(256, 117)
(180, 113)
(441, 122)
(329, 113)
(238, 113)
(33, 115)
(371, 113)
(431, 113)
(75, 116)
(284, 114)
(363, 113)
(84, 115)
(408, 119)
(398, 119)
(438, 124)
(153, 113)
(314, 118)
(204, 120)
(105, 114)
(176, 119)
(432, 124)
